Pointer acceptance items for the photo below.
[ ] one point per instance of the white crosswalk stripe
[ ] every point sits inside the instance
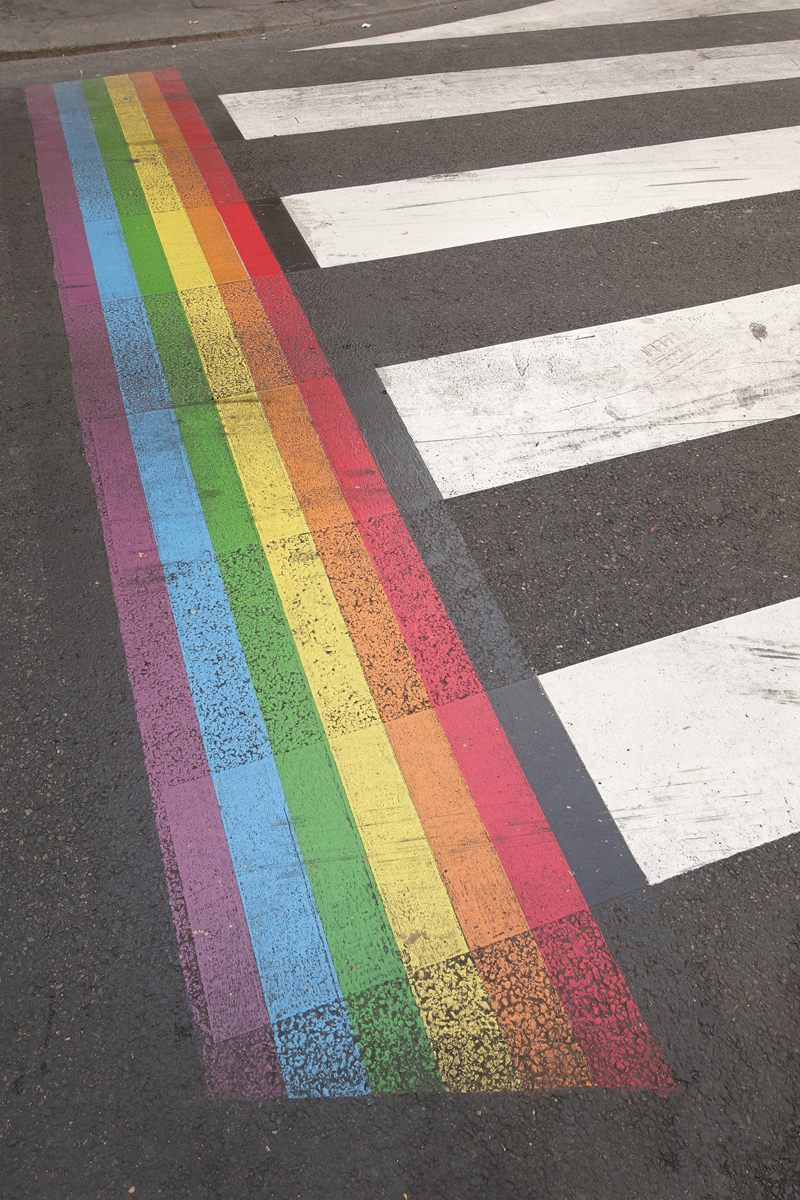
(488, 417)
(412, 216)
(690, 737)
(286, 111)
(569, 14)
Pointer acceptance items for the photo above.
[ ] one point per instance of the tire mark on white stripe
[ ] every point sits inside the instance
(488, 417)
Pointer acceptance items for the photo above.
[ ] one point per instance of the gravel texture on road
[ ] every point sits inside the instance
(102, 1087)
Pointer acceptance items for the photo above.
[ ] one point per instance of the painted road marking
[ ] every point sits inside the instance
(480, 891)
(413, 216)
(571, 14)
(396, 1050)
(216, 950)
(606, 1036)
(604, 868)
(389, 826)
(260, 834)
(720, 777)
(339, 865)
(487, 417)
(284, 111)
(222, 449)
(504, 798)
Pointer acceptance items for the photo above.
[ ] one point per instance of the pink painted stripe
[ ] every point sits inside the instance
(608, 1025)
(216, 952)
(301, 349)
(176, 764)
(438, 653)
(607, 1020)
(80, 287)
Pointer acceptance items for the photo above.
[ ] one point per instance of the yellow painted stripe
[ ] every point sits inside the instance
(453, 1002)
(217, 344)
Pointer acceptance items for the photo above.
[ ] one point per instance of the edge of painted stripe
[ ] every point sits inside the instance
(603, 870)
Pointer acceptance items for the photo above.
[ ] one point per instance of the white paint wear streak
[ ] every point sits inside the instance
(693, 739)
(571, 14)
(492, 416)
(410, 216)
(285, 111)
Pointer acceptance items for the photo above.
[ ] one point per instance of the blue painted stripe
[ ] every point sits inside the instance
(291, 951)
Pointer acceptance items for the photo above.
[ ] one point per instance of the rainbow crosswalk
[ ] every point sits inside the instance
(367, 895)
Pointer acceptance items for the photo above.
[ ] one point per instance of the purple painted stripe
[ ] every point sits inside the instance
(176, 762)
(216, 952)
(80, 286)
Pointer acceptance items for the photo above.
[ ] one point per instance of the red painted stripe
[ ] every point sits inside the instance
(437, 651)
(514, 821)
(248, 239)
(606, 1018)
(361, 482)
(170, 82)
(435, 646)
(300, 348)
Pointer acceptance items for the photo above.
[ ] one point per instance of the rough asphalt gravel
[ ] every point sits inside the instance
(101, 1079)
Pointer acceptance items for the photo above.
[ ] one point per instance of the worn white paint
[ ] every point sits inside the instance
(283, 111)
(570, 14)
(491, 416)
(693, 740)
(409, 216)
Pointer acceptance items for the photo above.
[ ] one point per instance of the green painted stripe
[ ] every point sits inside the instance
(187, 381)
(386, 1020)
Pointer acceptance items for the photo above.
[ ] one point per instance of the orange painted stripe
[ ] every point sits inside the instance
(537, 1030)
(183, 169)
(527, 1006)
(225, 264)
(487, 907)
(258, 343)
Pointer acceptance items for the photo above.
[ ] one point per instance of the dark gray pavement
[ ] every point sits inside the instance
(102, 1088)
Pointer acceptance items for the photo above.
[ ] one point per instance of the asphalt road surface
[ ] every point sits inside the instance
(336, 463)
